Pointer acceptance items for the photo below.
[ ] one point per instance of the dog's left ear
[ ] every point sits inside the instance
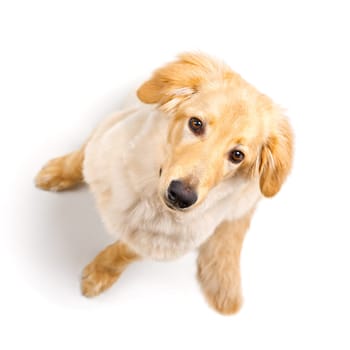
(276, 158)
(178, 80)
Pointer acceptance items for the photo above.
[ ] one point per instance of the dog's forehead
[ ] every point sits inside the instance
(225, 100)
(224, 105)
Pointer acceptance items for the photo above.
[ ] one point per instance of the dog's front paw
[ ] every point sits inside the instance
(96, 279)
(222, 289)
(223, 301)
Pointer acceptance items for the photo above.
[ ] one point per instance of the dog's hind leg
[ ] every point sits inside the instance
(106, 268)
(62, 173)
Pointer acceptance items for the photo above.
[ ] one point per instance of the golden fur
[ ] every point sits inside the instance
(134, 155)
(106, 268)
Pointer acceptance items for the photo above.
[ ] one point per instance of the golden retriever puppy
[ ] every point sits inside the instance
(182, 171)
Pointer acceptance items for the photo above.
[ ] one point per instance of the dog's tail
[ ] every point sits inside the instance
(62, 173)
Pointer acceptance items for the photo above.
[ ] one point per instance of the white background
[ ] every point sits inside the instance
(64, 65)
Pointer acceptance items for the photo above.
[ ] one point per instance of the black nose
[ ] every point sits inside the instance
(181, 195)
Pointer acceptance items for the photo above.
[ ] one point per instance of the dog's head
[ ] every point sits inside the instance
(221, 128)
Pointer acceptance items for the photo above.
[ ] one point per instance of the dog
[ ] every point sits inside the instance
(183, 170)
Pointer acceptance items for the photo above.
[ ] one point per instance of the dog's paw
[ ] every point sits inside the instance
(221, 290)
(96, 279)
(55, 177)
(225, 302)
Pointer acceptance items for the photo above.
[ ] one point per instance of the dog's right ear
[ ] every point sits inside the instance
(178, 80)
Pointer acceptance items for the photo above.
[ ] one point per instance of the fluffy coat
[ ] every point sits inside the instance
(133, 156)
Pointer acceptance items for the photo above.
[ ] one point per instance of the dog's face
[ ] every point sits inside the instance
(221, 128)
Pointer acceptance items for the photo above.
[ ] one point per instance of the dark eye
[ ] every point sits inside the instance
(236, 156)
(196, 125)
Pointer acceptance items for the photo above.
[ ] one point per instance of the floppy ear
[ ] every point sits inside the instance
(177, 80)
(276, 159)
(174, 82)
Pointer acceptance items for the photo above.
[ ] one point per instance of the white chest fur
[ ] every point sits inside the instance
(121, 166)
